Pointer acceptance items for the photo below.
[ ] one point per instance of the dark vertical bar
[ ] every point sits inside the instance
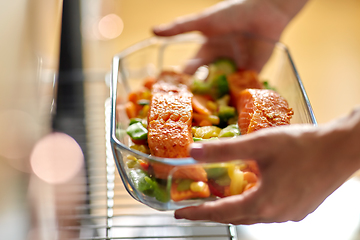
(69, 116)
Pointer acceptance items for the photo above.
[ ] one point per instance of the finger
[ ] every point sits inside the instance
(235, 209)
(245, 147)
(192, 65)
(181, 25)
(210, 21)
(226, 46)
(203, 56)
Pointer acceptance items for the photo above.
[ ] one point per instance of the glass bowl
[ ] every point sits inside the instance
(148, 58)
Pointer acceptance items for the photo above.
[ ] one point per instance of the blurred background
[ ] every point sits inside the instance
(323, 40)
(57, 177)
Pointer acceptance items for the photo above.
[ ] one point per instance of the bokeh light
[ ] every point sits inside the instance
(110, 26)
(56, 158)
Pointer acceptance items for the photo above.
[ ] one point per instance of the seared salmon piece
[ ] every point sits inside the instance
(169, 129)
(262, 108)
(169, 120)
(240, 81)
(194, 172)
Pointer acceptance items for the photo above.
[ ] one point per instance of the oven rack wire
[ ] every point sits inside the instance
(107, 210)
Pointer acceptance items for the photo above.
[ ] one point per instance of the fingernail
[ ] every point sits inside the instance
(196, 151)
(160, 28)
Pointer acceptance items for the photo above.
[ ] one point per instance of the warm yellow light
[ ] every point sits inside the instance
(110, 26)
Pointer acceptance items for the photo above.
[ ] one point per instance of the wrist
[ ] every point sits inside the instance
(343, 137)
(353, 129)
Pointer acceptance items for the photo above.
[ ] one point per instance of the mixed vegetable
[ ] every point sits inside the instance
(214, 117)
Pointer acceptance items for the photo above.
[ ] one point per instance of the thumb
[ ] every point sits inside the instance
(195, 22)
(245, 147)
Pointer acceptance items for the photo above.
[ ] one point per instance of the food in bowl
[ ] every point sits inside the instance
(173, 110)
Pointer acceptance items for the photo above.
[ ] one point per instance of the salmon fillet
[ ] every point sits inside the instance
(262, 108)
(169, 129)
(194, 172)
(169, 120)
(240, 81)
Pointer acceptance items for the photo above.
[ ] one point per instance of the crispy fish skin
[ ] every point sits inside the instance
(169, 129)
(169, 121)
(262, 108)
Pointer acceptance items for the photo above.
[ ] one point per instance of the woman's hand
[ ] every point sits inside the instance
(300, 165)
(227, 27)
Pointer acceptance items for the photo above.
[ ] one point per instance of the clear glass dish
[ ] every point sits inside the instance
(148, 58)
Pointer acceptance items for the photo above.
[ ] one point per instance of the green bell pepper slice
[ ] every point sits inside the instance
(137, 131)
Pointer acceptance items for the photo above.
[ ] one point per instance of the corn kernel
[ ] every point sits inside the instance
(193, 130)
(215, 120)
(146, 109)
(197, 186)
(141, 148)
(131, 157)
(146, 94)
(131, 163)
(211, 106)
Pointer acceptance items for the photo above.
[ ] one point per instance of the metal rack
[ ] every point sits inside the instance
(101, 208)
(105, 211)
(108, 211)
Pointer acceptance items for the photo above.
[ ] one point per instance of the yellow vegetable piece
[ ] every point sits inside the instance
(207, 132)
(146, 95)
(197, 186)
(131, 163)
(141, 148)
(193, 130)
(237, 183)
(211, 105)
(215, 120)
(231, 169)
(131, 157)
